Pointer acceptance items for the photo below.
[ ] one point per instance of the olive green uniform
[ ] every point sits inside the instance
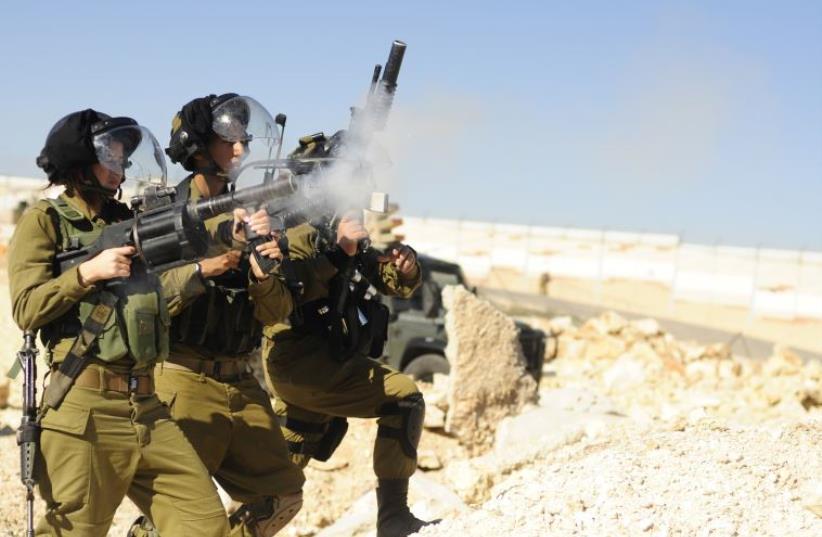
(214, 398)
(111, 436)
(317, 388)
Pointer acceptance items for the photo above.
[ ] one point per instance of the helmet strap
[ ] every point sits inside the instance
(90, 183)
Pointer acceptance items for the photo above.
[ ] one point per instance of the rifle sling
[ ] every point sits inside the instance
(15, 369)
(75, 361)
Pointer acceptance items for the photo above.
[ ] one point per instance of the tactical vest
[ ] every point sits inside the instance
(139, 326)
(221, 320)
(355, 324)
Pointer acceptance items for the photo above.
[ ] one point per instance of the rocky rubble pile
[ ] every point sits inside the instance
(706, 479)
(654, 376)
(637, 433)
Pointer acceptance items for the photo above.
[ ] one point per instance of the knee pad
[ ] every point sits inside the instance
(412, 411)
(332, 432)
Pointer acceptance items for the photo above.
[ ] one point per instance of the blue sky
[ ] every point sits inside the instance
(699, 118)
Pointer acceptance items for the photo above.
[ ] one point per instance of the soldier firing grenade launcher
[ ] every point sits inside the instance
(172, 233)
(28, 435)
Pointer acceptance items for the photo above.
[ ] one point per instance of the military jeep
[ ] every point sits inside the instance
(416, 332)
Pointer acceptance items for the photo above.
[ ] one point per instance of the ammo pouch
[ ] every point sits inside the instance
(346, 334)
(331, 440)
(138, 326)
(378, 315)
(222, 319)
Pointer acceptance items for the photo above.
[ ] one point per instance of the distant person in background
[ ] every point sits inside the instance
(544, 280)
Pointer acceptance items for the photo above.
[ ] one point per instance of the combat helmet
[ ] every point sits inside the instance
(87, 137)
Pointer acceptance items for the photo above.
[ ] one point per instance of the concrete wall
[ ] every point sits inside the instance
(775, 283)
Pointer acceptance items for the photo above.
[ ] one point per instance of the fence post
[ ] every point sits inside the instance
(674, 276)
(800, 262)
(754, 285)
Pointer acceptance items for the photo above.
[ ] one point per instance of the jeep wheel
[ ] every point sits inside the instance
(424, 366)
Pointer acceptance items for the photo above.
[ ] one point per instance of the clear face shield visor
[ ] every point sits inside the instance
(244, 120)
(133, 152)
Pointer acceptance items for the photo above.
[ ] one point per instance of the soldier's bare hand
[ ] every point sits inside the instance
(403, 258)
(108, 264)
(259, 222)
(214, 266)
(268, 249)
(349, 232)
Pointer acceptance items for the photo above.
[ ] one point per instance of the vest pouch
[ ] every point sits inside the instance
(237, 331)
(110, 345)
(247, 330)
(377, 314)
(146, 330)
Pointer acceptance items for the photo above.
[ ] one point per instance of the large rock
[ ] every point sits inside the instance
(488, 377)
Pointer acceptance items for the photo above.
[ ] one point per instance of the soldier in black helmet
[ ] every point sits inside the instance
(104, 325)
(217, 317)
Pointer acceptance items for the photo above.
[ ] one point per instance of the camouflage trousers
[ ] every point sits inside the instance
(235, 432)
(314, 388)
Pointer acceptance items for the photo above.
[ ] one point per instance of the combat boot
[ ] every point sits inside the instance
(267, 517)
(394, 518)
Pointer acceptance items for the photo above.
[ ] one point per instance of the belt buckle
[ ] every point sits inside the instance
(133, 382)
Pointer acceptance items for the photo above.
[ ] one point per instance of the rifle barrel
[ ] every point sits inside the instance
(255, 195)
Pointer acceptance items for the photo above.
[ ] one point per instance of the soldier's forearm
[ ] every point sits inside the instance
(181, 286)
(272, 300)
(37, 306)
(393, 283)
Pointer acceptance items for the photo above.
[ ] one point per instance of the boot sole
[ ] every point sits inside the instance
(285, 514)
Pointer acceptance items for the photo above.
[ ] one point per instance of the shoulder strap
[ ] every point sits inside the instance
(75, 362)
(65, 210)
(56, 222)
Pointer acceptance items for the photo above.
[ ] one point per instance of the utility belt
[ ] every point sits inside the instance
(100, 378)
(362, 328)
(219, 370)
